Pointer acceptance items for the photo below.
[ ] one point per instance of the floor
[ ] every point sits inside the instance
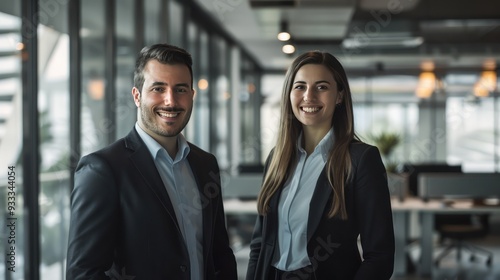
(449, 268)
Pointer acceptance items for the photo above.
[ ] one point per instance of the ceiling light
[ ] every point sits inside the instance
(384, 42)
(426, 85)
(96, 88)
(288, 49)
(427, 66)
(202, 84)
(283, 34)
(490, 64)
(486, 84)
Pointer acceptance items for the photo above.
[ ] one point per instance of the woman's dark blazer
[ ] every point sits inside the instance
(123, 225)
(332, 242)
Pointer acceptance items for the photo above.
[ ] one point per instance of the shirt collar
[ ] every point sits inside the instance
(324, 146)
(155, 147)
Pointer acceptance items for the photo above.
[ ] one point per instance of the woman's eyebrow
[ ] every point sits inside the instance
(317, 82)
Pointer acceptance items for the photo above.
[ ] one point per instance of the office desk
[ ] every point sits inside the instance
(401, 215)
(426, 210)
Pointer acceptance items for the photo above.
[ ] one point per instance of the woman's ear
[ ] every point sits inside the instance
(340, 97)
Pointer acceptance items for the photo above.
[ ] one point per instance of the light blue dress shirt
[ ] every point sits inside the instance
(182, 189)
(293, 208)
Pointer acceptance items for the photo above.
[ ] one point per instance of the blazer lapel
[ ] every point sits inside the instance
(321, 194)
(141, 159)
(204, 181)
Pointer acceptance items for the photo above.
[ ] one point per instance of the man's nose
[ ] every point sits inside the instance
(168, 96)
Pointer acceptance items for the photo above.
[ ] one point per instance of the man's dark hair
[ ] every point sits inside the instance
(164, 53)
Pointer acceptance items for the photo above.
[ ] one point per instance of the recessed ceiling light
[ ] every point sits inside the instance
(288, 49)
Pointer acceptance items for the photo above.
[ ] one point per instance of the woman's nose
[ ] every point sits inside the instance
(308, 94)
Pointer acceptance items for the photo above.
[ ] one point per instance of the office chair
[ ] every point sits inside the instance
(458, 229)
(412, 170)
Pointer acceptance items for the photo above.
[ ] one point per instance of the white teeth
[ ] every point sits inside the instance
(310, 109)
(168, 115)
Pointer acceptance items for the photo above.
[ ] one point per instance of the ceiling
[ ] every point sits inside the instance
(368, 35)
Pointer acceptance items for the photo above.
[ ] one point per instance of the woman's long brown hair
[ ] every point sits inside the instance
(285, 151)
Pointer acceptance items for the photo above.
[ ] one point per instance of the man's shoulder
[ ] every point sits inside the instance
(112, 149)
(131, 141)
(199, 152)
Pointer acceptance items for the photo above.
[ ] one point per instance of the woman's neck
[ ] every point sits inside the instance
(312, 137)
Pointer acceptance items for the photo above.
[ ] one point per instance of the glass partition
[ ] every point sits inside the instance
(13, 217)
(124, 109)
(220, 95)
(54, 113)
(153, 14)
(93, 115)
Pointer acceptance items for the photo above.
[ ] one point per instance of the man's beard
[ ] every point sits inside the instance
(150, 122)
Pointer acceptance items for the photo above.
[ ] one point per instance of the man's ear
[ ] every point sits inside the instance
(137, 96)
(194, 93)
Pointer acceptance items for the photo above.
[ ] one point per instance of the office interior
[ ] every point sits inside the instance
(423, 74)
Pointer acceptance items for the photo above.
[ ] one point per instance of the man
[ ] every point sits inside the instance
(149, 206)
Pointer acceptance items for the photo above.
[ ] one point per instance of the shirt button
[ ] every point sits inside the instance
(183, 268)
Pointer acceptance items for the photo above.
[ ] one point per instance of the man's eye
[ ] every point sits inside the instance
(181, 90)
(157, 89)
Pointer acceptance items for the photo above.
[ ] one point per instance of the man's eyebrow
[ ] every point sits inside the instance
(182, 85)
(158, 84)
(166, 84)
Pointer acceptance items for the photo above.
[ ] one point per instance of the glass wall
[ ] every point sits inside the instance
(219, 96)
(175, 23)
(12, 233)
(201, 110)
(107, 38)
(452, 126)
(93, 66)
(472, 124)
(154, 14)
(53, 106)
(250, 99)
(124, 109)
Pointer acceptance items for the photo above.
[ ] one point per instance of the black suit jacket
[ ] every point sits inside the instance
(122, 219)
(332, 243)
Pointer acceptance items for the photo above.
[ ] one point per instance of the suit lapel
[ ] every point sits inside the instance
(319, 201)
(205, 182)
(141, 159)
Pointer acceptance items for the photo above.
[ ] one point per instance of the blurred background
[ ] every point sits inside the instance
(423, 75)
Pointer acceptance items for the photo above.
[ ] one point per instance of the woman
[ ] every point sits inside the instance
(322, 186)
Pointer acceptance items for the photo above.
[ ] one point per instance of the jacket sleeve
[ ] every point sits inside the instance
(256, 243)
(93, 221)
(224, 260)
(255, 247)
(374, 216)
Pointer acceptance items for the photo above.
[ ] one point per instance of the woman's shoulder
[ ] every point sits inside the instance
(358, 148)
(358, 145)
